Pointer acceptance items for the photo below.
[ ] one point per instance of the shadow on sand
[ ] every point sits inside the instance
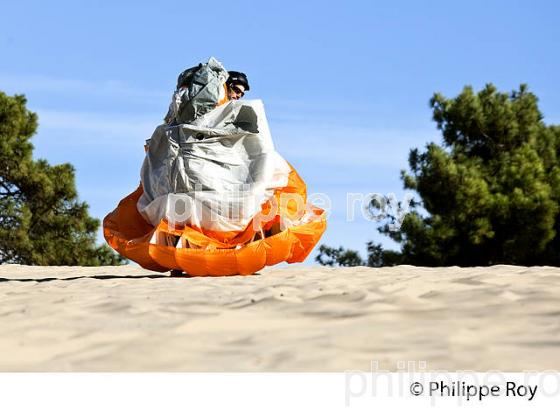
(105, 277)
(101, 277)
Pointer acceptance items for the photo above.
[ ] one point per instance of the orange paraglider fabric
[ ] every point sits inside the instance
(209, 253)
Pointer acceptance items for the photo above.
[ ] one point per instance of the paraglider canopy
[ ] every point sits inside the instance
(216, 198)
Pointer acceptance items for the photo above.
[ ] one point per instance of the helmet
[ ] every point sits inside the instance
(236, 77)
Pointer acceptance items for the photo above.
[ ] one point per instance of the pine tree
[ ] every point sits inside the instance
(491, 190)
(41, 220)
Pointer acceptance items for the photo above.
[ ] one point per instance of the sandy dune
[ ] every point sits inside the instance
(283, 319)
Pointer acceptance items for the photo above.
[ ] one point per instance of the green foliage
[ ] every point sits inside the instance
(491, 190)
(338, 257)
(378, 257)
(41, 220)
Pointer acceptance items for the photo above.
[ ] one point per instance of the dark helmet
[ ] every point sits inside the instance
(236, 77)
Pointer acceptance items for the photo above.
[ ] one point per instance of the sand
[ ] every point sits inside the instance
(282, 319)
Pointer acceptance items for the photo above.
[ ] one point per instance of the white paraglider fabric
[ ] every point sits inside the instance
(214, 172)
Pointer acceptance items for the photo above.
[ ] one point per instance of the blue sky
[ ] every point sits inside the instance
(346, 85)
